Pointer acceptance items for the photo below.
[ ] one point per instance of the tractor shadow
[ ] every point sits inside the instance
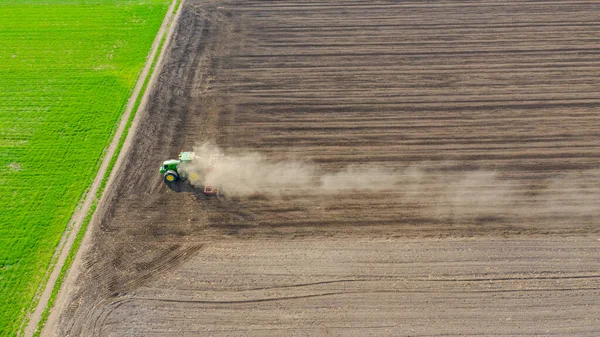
(198, 191)
(185, 187)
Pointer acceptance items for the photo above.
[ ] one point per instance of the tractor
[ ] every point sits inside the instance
(182, 169)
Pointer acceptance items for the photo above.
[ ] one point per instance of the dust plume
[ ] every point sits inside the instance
(248, 173)
(452, 195)
(573, 194)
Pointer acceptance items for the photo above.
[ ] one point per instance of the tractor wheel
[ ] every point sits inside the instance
(194, 176)
(171, 176)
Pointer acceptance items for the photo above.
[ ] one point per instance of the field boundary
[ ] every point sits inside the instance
(70, 242)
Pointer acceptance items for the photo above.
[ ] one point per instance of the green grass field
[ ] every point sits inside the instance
(67, 69)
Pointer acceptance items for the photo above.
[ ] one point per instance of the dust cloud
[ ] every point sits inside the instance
(574, 194)
(477, 193)
(248, 173)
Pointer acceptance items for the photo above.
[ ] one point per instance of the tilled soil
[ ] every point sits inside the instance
(347, 287)
(490, 110)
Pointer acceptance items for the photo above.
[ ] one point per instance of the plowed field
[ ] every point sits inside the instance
(486, 112)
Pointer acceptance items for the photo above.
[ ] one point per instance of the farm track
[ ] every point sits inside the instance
(479, 98)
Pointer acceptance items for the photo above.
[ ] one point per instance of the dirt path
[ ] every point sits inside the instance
(487, 113)
(75, 224)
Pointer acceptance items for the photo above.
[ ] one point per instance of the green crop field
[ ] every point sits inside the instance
(67, 69)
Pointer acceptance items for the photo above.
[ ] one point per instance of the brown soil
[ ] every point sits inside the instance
(450, 88)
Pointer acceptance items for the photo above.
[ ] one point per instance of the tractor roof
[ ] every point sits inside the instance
(186, 156)
(171, 162)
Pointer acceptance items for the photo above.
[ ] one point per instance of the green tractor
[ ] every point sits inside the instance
(174, 169)
(182, 169)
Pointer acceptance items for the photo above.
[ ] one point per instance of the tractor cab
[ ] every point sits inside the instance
(170, 168)
(167, 165)
(175, 169)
